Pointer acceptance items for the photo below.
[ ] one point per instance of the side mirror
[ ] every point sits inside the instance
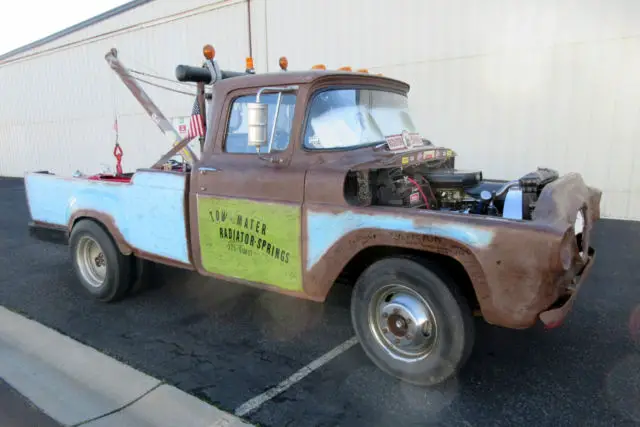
(257, 123)
(258, 119)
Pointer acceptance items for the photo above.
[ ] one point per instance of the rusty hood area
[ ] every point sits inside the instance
(378, 156)
(517, 269)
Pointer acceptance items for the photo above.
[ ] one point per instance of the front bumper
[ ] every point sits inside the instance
(556, 315)
(48, 233)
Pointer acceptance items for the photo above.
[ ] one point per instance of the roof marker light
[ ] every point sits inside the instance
(209, 52)
(249, 65)
(283, 62)
(319, 67)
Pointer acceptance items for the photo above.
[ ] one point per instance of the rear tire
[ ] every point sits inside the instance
(101, 268)
(412, 321)
(141, 274)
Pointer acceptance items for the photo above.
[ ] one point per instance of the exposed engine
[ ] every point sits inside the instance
(462, 191)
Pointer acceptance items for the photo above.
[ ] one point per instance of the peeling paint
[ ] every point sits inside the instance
(325, 229)
(148, 212)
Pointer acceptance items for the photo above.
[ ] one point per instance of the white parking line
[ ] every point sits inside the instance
(257, 401)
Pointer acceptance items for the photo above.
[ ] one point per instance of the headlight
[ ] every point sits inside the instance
(578, 225)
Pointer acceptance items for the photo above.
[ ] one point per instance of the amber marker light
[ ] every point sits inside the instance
(249, 63)
(363, 70)
(319, 67)
(209, 52)
(283, 62)
(345, 68)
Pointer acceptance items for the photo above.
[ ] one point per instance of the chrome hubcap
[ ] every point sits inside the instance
(91, 261)
(402, 322)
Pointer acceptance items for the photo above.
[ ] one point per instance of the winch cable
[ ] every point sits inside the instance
(155, 76)
(151, 108)
(164, 87)
(117, 151)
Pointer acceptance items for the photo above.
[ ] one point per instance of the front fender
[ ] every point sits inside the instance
(323, 274)
(334, 238)
(511, 264)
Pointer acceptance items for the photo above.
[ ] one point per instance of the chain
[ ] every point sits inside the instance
(142, 73)
(164, 87)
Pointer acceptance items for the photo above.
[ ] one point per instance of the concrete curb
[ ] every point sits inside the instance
(77, 385)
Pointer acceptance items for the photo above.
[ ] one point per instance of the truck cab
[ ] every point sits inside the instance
(250, 205)
(307, 176)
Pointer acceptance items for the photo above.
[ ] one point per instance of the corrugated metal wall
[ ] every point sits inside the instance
(510, 84)
(57, 110)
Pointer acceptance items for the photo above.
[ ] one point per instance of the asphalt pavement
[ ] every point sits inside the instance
(227, 343)
(18, 411)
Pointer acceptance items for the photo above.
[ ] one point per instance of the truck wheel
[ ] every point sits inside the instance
(412, 321)
(141, 275)
(101, 268)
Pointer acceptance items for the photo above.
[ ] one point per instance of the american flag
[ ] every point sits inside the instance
(196, 127)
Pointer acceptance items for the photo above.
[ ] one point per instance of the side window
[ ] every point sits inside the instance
(237, 136)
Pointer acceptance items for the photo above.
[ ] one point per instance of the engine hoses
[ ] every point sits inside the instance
(424, 197)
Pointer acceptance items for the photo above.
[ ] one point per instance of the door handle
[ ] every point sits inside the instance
(204, 170)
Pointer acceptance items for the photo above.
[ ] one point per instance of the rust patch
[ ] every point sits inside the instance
(515, 277)
(556, 315)
(187, 222)
(319, 280)
(162, 260)
(107, 221)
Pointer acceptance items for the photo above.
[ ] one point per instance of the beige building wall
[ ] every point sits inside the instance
(509, 84)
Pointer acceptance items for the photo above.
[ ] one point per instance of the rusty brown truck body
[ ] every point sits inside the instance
(305, 177)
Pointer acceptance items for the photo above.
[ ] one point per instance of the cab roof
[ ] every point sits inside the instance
(285, 78)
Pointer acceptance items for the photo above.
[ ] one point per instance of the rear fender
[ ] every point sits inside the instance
(106, 221)
(61, 201)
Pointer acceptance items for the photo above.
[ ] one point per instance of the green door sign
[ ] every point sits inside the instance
(250, 240)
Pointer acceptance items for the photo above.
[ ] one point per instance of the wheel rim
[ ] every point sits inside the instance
(402, 322)
(91, 261)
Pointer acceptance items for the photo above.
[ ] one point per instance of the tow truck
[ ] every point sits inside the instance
(305, 177)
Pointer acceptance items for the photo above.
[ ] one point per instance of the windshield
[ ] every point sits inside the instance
(348, 118)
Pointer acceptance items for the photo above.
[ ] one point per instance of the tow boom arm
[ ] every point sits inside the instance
(152, 109)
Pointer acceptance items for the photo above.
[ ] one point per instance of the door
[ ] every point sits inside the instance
(249, 208)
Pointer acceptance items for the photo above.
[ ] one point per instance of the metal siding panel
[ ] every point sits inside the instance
(64, 121)
(510, 84)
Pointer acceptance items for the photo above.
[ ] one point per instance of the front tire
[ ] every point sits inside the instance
(412, 321)
(100, 267)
